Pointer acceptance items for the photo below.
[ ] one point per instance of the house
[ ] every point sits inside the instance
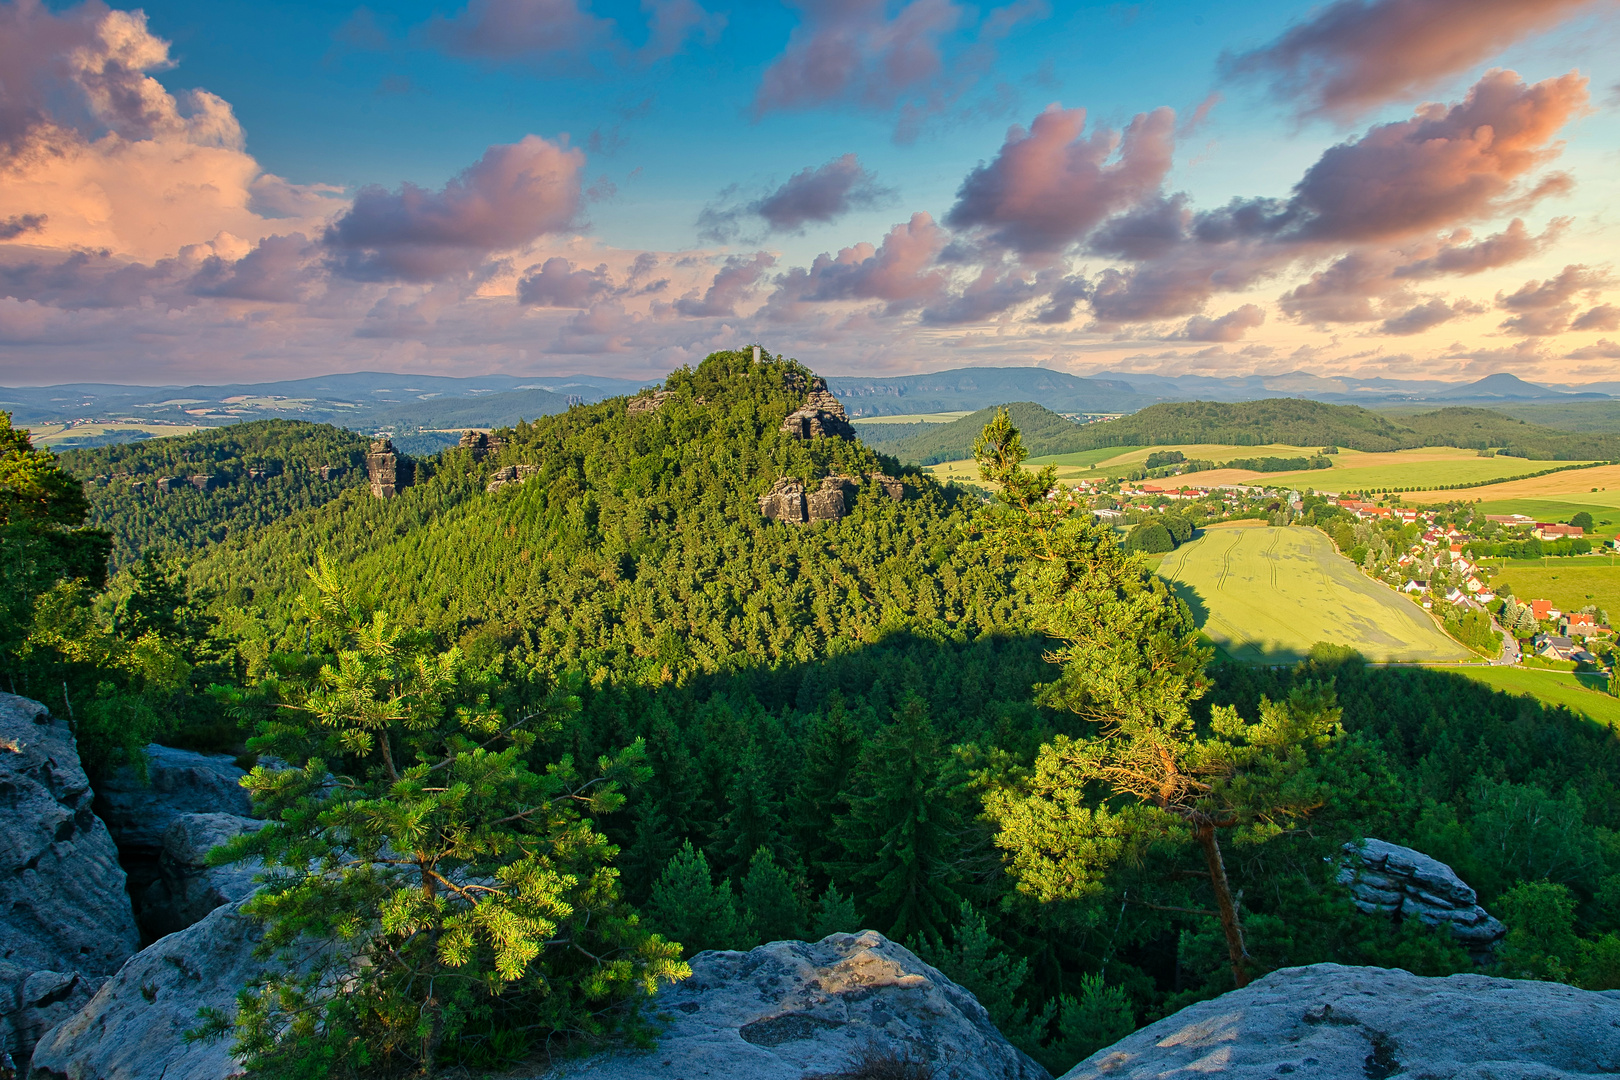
(1415, 586)
(1558, 532)
(1473, 584)
(1485, 595)
(1544, 610)
(1109, 517)
(1554, 647)
(1456, 596)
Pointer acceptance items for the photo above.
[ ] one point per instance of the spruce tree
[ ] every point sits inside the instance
(903, 835)
(835, 914)
(691, 908)
(832, 749)
(755, 819)
(771, 907)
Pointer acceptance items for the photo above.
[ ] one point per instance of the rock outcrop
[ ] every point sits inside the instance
(481, 444)
(791, 1009)
(821, 414)
(67, 922)
(789, 500)
(1329, 1022)
(511, 474)
(648, 401)
(1398, 881)
(187, 888)
(386, 470)
(134, 1028)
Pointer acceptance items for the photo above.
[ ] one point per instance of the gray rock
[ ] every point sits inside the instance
(1329, 1022)
(179, 782)
(134, 1028)
(67, 918)
(1387, 878)
(792, 1009)
(188, 888)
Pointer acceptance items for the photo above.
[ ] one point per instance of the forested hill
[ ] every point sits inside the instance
(1299, 422)
(1044, 431)
(636, 542)
(257, 472)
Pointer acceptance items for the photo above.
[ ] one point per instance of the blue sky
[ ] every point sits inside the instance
(329, 101)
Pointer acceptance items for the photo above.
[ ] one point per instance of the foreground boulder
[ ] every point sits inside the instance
(138, 812)
(67, 922)
(1330, 1022)
(791, 1009)
(134, 1028)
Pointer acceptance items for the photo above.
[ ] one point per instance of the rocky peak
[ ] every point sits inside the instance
(1389, 879)
(481, 444)
(649, 401)
(821, 414)
(511, 474)
(789, 500)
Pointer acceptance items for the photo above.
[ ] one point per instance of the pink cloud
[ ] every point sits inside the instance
(1427, 315)
(1229, 327)
(510, 197)
(1602, 317)
(901, 272)
(1604, 349)
(1354, 55)
(734, 283)
(557, 284)
(505, 30)
(821, 195)
(1050, 185)
(671, 23)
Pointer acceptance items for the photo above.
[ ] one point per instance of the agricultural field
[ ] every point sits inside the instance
(1579, 693)
(1266, 595)
(1546, 498)
(1570, 583)
(62, 436)
(912, 418)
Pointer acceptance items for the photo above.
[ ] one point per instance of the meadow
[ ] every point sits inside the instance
(1571, 584)
(1578, 693)
(1266, 595)
(913, 418)
(63, 435)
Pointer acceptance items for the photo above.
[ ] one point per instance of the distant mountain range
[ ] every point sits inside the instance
(413, 407)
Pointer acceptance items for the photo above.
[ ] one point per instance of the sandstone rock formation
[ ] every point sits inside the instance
(1398, 881)
(67, 921)
(386, 471)
(821, 414)
(511, 474)
(1329, 1022)
(648, 401)
(480, 444)
(134, 1028)
(788, 499)
(791, 1009)
(187, 888)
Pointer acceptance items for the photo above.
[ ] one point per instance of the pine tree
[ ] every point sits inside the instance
(754, 820)
(688, 906)
(903, 835)
(1100, 1016)
(771, 907)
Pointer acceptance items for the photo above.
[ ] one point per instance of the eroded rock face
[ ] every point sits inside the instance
(785, 501)
(187, 888)
(648, 401)
(1391, 879)
(789, 500)
(511, 474)
(134, 1028)
(386, 470)
(1330, 1022)
(179, 782)
(792, 1009)
(65, 918)
(821, 414)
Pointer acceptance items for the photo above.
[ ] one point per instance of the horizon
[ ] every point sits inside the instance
(1400, 189)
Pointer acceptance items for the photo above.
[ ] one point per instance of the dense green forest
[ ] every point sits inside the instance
(876, 721)
(258, 472)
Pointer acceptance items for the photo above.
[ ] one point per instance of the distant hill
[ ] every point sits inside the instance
(484, 411)
(981, 387)
(1596, 416)
(1044, 432)
(126, 500)
(1300, 422)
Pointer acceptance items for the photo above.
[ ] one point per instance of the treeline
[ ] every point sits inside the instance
(257, 473)
(1044, 431)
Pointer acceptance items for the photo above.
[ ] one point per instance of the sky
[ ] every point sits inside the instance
(230, 191)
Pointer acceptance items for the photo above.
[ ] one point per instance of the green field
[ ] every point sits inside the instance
(913, 418)
(1467, 469)
(1606, 517)
(1267, 595)
(1571, 584)
(1577, 692)
(1084, 459)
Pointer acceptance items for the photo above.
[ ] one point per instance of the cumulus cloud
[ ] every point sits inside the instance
(1050, 185)
(555, 283)
(97, 154)
(1603, 349)
(506, 30)
(1545, 307)
(734, 283)
(1602, 317)
(672, 23)
(1428, 315)
(1229, 327)
(819, 195)
(510, 197)
(1354, 55)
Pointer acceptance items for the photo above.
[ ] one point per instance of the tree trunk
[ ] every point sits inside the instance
(1205, 833)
